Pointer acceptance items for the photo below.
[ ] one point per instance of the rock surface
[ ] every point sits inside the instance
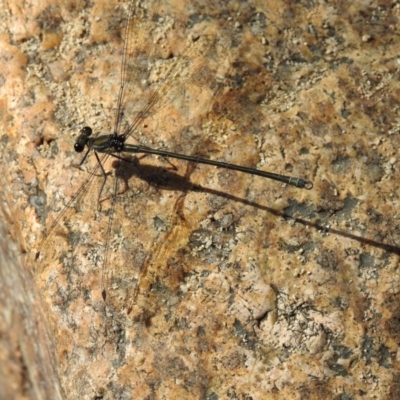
(218, 284)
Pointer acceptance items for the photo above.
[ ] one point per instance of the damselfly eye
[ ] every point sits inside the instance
(78, 147)
(86, 130)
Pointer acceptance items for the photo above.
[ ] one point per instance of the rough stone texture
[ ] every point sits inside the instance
(219, 285)
(28, 366)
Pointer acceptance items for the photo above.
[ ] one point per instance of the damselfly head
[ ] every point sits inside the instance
(83, 138)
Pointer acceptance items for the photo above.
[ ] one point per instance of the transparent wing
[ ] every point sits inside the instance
(100, 245)
(150, 80)
(140, 218)
(70, 238)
